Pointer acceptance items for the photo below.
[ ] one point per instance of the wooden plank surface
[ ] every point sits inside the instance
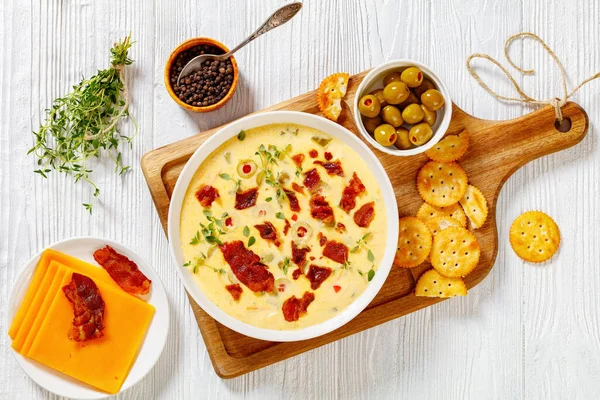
(524, 332)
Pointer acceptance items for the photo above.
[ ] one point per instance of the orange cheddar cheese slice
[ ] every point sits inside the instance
(49, 255)
(49, 277)
(104, 362)
(55, 288)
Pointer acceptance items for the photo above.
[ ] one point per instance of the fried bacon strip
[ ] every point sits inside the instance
(206, 194)
(320, 209)
(364, 215)
(294, 205)
(286, 227)
(268, 232)
(235, 291)
(293, 308)
(123, 271)
(355, 187)
(312, 179)
(297, 188)
(332, 167)
(246, 266)
(88, 308)
(246, 199)
(316, 275)
(299, 254)
(336, 251)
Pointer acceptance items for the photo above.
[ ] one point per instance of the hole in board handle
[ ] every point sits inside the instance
(564, 126)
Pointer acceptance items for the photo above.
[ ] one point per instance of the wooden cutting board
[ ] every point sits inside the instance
(497, 149)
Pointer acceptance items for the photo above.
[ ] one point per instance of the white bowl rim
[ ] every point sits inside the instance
(262, 119)
(440, 131)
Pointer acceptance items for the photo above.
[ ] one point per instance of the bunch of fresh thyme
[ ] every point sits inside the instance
(84, 123)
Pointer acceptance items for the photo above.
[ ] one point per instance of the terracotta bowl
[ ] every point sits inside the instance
(185, 46)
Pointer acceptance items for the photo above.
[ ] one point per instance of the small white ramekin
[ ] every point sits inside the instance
(374, 80)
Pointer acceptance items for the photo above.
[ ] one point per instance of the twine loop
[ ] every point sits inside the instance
(556, 102)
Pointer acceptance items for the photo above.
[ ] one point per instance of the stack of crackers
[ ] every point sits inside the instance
(439, 230)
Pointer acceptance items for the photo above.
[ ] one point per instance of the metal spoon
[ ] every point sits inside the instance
(278, 18)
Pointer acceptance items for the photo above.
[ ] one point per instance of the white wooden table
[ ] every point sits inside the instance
(527, 331)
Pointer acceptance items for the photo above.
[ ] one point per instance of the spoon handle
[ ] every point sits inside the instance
(278, 18)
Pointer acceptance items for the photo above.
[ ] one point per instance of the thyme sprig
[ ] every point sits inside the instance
(85, 124)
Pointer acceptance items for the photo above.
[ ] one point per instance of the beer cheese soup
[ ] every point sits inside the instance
(283, 226)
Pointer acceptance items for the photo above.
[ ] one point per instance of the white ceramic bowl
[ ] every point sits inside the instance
(374, 80)
(330, 128)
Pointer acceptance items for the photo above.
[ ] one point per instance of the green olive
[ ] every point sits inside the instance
(423, 87)
(412, 76)
(420, 134)
(385, 135)
(413, 114)
(430, 116)
(391, 77)
(402, 141)
(246, 168)
(432, 99)
(379, 94)
(396, 92)
(392, 116)
(371, 123)
(369, 106)
(412, 99)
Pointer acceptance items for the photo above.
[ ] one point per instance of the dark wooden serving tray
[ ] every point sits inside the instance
(497, 149)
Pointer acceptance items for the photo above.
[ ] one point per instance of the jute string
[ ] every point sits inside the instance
(556, 102)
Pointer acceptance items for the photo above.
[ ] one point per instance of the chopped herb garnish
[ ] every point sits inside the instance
(224, 176)
(280, 215)
(241, 136)
(251, 241)
(370, 256)
(370, 275)
(227, 156)
(196, 239)
(285, 265)
(246, 231)
(268, 199)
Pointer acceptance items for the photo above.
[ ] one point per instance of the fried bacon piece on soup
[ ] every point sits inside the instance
(235, 291)
(322, 239)
(246, 199)
(332, 167)
(320, 209)
(206, 194)
(286, 227)
(123, 271)
(336, 251)
(268, 232)
(293, 308)
(298, 159)
(316, 275)
(246, 266)
(88, 308)
(312, 179)
(294, 205)
(355, 187)
(340, 228)
(297, 272)
(299, 254)
(297, 188)
(364, 215)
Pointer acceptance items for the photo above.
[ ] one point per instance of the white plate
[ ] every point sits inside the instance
(324, 125)
(63, 385)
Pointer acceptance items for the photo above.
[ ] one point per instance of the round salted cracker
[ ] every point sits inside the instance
(414, 243)
(438, 224)
(441, 184)
(455, 252)
(534, 236)
(450, 148)
(330, 93)
(475, 206)
(455, 211)
(432, 284)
